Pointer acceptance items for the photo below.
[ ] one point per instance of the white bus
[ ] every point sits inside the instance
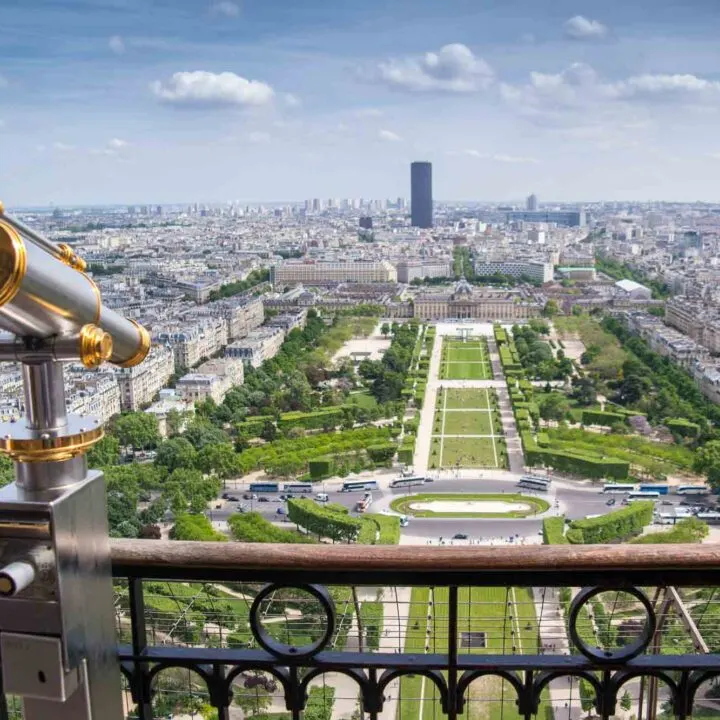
(402, 482)
(692, 490)
(644, 495)
(711, 518)
(532, 482)
(354, 485)
(618, 488)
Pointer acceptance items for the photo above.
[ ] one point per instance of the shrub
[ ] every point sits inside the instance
(606, 419)
(320, 468)
(614, 527)
(253, 527)
(381, 453)
(554, 531)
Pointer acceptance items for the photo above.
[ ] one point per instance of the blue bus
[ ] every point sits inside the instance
(651, 487)
(264, 487)
(354, 485)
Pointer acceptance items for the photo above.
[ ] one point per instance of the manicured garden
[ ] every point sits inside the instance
(408, 505)
(465, 360)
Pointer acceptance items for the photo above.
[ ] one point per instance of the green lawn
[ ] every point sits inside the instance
(475, 399)
(466, 371)
(461, 353)
(402, 505)
(470, 452)
(363, 399)
(468, 422)
(494, 611)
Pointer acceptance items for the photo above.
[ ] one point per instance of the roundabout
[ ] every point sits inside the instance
(469, 505)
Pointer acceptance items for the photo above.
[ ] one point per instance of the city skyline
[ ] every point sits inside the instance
(116, 102)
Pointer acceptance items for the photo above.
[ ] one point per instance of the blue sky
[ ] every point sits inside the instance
(112, 101)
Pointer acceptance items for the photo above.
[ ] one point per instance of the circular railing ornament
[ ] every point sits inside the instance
(620, 654)
(283, 650)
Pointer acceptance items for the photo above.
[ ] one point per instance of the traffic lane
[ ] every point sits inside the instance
(474, 528)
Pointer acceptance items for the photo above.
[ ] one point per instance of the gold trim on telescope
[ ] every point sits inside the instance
(69, 257)
(95, 346)
(13, 262)
(52, 449)
(143, 349)
(98, 298)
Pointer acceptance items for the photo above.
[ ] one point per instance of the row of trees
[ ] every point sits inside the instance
(235, 288)
(536, 355)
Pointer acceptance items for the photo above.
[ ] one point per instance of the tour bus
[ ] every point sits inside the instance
(618, 488)
(264, 487)
(355, 485)
(365, 503)
(298, 487)
(711, 518)
(652, 487)
(533, 482)
(642, 497)
(667, 518)
(692, 490)
(407, 481)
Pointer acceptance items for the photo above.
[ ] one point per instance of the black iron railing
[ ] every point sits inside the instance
(229, 630)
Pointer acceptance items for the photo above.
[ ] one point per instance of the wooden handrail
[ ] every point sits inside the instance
(165, 554)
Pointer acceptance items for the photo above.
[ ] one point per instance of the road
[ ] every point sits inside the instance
(574, 500)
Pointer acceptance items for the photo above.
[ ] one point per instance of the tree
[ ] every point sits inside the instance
(138, 429)
(587, 696)
(175, 421)
(104, 453)
(7, 471)
(385, 329)
(551, 309)
(553, 407)
(200, 433)
(220, 460)
(254, 697)
(626, 701)
(707, 461)
(584, 391)
(269, 431)
(176, 453)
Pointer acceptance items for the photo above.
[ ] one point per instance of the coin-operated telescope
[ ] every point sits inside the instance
(57, 637)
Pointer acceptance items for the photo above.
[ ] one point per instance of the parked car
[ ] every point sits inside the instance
(280, 511)
(224, 496)
(232, 498)
(460, 536)
(263, 499)
(611, 501)
(249, 496)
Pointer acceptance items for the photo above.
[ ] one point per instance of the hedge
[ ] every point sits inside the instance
(381, 453)
(683, 427)
(553, 531)
(253, 527)
(326, 417)
(405, 454)
(322, 522)
(253, 427)
(598, 417)
(543, 440)
(372, 620)
(614, 527)
(320, 468)
(574, 462)
(379, 530)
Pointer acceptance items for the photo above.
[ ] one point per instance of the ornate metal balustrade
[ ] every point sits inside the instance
(485, 631)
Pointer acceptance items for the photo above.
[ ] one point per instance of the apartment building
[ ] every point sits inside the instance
(320, 272)
(260, 345)
(94, 393)
(241, 315)
(532, 269)
(213, 379)
(693, 318)
(171, 401)
(410, 270)
(196, 342)
(140, 384)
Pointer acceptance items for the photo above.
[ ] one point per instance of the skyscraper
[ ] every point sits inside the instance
(531, 203)
(421, 194)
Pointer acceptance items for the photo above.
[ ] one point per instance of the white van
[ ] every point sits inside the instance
(322, 497)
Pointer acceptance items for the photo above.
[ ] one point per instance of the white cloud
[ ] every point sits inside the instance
(226, 8)
(582, 28)
(453, 69)
(514, 159)
(116, 44)
(665, 86)
(3, 81)
(713, 155)
(389, 136)
(291, 100)
(63, 147)
(258, 137)
(369, 112)
(202, 88)
(117, 144)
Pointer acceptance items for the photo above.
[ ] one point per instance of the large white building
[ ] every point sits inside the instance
(532, 269)
(196, 342)
(260, 345)
(319, 272)
(140, 384)
(409, 270)
(241, 314)
(213, 379)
